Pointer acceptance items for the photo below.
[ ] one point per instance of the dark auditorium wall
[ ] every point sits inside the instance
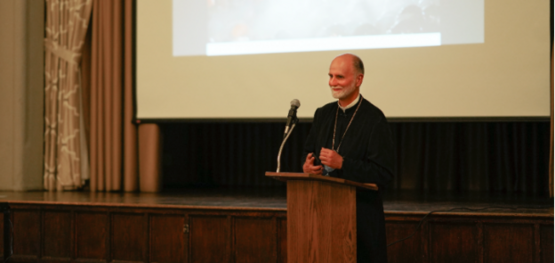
(495, 157)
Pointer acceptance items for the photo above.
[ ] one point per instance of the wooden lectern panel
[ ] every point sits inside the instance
(321, 222)
(315, 177)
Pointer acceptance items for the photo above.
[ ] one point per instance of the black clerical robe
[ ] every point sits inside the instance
(368, 157)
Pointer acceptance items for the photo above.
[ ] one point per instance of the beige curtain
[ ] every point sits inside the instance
(115, 144)
(66, 26)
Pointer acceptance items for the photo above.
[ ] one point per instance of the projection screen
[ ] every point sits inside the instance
(247, 59)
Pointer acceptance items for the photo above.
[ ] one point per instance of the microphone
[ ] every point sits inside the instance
(289, 126)
(292, 116)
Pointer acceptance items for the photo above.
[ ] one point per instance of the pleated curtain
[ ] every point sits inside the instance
(117, 144)
(454, 157)
(65, 157)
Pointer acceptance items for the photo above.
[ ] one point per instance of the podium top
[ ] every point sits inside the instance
(314, 177)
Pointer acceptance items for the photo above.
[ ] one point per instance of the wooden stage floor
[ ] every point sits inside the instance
(274, 199)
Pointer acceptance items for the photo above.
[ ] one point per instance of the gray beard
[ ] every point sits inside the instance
(345, 92)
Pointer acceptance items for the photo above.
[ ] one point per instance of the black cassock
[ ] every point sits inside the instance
(368, 157)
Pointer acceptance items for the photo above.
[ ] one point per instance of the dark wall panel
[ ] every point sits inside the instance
(128, 241)
(46, 233)
(209, 239)
(453, 243)
(27, 232)
(91, 231)
(282, 239)
(2, 234)
(508, 243)
(51, 260)
(546, 241)
(403, 251)
(255, 240)
(57, 234)
(167, 242)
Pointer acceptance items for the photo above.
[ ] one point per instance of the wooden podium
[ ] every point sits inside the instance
(321, 217)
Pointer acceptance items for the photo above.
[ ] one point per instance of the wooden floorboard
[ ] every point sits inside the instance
(274, 199)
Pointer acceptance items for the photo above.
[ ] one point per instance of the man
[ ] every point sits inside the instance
(350, 139)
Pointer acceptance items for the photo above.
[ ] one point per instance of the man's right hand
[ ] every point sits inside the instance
(309, 167)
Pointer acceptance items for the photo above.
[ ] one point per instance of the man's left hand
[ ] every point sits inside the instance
(331, 158)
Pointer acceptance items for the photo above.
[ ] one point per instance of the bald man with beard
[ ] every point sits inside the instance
(350, 139)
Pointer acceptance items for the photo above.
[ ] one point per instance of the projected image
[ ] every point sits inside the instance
(255, 20)
(236, 27)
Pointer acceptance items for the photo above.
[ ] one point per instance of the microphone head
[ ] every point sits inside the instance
(296, 103)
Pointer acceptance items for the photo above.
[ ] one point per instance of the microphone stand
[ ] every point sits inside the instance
(294, 122)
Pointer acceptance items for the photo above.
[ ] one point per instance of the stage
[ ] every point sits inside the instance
(274, 199)
(250, 225)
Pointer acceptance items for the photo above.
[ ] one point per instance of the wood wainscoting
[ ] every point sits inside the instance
(470, 237)
(68, 233)
(112, 233)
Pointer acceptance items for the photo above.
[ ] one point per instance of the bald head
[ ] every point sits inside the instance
(355, 60)
(346, 75)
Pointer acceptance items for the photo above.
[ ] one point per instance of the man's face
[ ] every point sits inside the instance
(343, 78)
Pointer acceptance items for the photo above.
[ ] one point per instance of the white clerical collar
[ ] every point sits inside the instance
(350, 105)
